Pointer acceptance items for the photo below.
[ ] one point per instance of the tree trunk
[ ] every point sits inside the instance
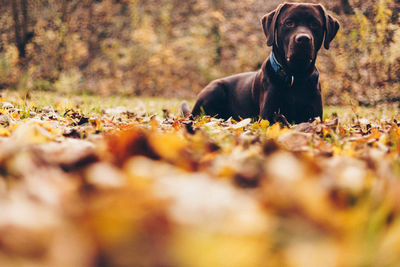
(63, 31)
(24, 11)
(346, 7)
(17, 29)
(217, 35)
(20, 17)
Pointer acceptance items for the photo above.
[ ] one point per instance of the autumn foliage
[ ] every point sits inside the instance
(174, 48)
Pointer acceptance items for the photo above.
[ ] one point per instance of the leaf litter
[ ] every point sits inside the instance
(120, 188)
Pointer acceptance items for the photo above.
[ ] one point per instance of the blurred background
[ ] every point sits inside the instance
(173, 48)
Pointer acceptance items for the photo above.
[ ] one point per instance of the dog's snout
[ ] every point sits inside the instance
(302, 38)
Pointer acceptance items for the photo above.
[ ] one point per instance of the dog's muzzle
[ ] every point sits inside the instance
(301, 50)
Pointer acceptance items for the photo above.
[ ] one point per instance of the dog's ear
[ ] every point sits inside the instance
(269, 23)
(331, 26)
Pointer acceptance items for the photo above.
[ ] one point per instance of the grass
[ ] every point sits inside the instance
(89, 104)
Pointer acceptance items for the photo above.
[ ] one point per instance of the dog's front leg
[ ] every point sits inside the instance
(268, 106)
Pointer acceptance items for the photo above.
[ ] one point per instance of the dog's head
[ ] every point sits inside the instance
(297, 31)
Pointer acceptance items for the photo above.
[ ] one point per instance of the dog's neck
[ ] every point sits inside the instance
(290, 79)
(280, 71)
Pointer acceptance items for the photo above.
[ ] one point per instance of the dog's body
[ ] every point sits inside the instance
(288, 81)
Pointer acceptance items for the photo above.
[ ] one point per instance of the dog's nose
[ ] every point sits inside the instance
(302, 38)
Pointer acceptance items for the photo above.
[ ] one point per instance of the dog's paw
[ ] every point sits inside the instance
(279, 117)
(185, 109)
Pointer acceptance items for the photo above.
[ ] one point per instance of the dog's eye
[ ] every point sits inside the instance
(289, 23)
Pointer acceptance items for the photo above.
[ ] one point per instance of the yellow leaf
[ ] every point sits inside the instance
(264, 124)
(226, 171)
(275, 131)
(15, 115)
(375, 134)
(349, 152)
(337, 151)
(32, 133)
(198, 247)
(397, 131)
(170, 146)
(154, 123)
(4, 132)
(325, 132)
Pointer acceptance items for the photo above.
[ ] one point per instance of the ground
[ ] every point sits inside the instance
(92, 181)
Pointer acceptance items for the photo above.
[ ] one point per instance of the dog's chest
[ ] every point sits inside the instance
(298, 105)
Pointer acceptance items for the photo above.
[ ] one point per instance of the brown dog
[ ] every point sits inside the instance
(288, 81)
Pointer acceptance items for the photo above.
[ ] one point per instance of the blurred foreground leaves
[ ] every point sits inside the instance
(122, 188)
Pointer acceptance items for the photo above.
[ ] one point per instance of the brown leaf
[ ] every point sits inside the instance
(130, 142)
(295, 141)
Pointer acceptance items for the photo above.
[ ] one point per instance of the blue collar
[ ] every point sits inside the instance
(288, 79)
(280, 71)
